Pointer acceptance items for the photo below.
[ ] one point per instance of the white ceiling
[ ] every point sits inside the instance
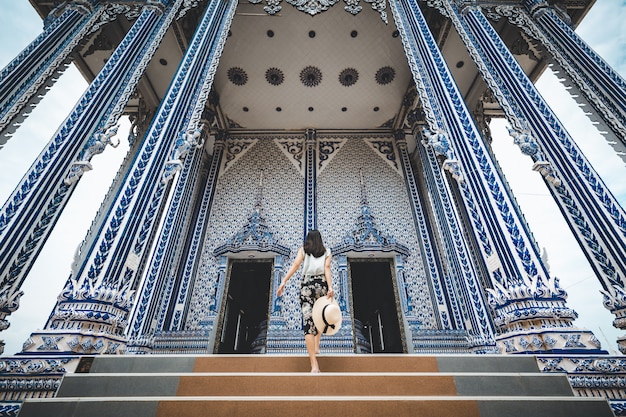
(367, 104)
(291, 49)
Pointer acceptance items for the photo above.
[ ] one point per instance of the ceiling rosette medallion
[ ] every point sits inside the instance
(314, 7)
(311, 76)
(237, 76)
(348, 77)
(385, 75)
(274, 76)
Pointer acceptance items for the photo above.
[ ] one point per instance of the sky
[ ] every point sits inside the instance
(602, 29)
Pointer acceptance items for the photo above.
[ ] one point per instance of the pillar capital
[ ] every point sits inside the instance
(416, 117)
(84, 7)
(537, 8)
(310, 135)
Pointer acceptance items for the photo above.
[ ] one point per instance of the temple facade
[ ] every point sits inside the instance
(255, 121)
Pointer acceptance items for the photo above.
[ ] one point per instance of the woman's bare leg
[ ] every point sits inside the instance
(310, 347)
(318, 339)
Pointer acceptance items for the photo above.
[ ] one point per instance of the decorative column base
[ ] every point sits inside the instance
(140, 345)
(591, 376)
(542, 326)
(179, 342)
(85, 321)
(448, 341)
(555, 340)
(63, 342)
(286, 341)
(33, 377)
(283, 340)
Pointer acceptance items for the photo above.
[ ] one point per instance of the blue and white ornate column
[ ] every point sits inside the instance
(162, 281)
(530, 310)
(26, 79)
(164, 295)
(592, 212)
(429, 255)
(461, 281)
(28, 216)
(592, 78)
(93, 309)
(191, 257)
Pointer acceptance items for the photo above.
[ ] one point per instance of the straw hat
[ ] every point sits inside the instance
(327, 315)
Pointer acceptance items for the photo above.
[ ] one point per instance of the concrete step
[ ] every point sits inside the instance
(309, 406)
(325, 384)
(349, 385)
(300, 363)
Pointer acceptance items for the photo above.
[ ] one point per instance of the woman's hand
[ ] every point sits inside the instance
(281, 287)
(331, 293)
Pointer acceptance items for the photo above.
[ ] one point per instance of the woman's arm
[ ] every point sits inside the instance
(292, 270)
(328, 276)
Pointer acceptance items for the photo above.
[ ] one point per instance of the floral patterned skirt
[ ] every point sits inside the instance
(313, 287)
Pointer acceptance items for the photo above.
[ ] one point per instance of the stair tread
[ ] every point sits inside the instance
(366, 406)
(310, 375)
(321, 398)
(300, 363)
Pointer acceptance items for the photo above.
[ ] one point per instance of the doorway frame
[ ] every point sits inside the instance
(391, 262)
(225, 289)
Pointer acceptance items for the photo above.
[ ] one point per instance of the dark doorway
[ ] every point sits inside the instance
(246, 309)
(375, 307)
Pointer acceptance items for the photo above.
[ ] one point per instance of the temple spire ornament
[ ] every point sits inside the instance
(255, 236)
(366, 237)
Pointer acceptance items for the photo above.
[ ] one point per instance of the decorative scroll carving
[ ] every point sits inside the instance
(294, 150)
(235, 149)
(386, 150)
(327, 149)
(313, 7)
(9, 303)
(529, 147)
(100, 43)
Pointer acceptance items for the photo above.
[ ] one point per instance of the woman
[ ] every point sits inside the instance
(316, 282)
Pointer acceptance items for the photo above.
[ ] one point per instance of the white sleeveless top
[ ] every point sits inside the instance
(314, 266)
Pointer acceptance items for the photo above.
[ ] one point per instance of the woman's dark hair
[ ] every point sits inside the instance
(313, 244)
